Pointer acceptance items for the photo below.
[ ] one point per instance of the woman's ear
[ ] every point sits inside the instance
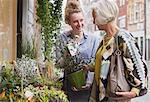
(93, 13)
(94, 16)
(68, 20)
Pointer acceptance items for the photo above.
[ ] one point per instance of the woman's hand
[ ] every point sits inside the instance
(74, 89)
(126, 95)
(87, 86)
(87, 68)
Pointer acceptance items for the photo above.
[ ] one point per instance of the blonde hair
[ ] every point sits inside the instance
(72, 6)
(106, 11)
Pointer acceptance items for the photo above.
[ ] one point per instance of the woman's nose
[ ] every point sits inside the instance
(79, 23)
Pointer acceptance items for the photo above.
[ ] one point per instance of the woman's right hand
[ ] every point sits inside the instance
(126, 95)
(87, 68)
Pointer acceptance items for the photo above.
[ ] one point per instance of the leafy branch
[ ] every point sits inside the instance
(49, 16)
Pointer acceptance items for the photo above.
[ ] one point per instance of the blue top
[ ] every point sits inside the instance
(87, 48)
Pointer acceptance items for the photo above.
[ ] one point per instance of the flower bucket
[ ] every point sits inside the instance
(77, 79)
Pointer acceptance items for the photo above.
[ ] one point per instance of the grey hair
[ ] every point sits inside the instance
(105, 10)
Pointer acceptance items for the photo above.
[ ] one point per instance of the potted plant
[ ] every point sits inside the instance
(73, 65)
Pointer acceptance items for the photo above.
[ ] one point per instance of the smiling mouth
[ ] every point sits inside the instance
(80, 28)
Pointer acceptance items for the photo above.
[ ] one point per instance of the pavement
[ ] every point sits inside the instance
(145, 98)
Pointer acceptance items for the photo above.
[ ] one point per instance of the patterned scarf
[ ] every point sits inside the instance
(106, 41)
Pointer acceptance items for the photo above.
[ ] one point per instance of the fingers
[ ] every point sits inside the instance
(86, 87)
(126, 94)
(85, 67)
(74, 89)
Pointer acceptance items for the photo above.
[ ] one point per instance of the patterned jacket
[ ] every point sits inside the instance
(136, 68)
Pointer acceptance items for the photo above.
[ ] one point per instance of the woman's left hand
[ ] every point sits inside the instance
(87, 86)
(127, 95)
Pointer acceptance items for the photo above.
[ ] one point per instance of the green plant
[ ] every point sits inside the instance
(29, 49)
(10, 83)
(46, 94)
(24, 74)
(72, 58)
(49, 17)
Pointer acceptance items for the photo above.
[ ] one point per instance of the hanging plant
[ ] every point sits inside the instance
(49, 16)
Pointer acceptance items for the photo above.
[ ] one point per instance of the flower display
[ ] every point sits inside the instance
(24, 80)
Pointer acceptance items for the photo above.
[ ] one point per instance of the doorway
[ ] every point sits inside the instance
(19, 28)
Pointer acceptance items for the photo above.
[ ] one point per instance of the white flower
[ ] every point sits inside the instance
(28, 95)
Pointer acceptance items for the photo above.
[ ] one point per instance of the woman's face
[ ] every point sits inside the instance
(100, 27)
(76, 21)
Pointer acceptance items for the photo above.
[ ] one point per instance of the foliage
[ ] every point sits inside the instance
(46, 94)
(27, 69)
(71, 59)
(29, 49)
(31, 73)
(25, 72)
(17, 77)
(9, 85)
(49, 16)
